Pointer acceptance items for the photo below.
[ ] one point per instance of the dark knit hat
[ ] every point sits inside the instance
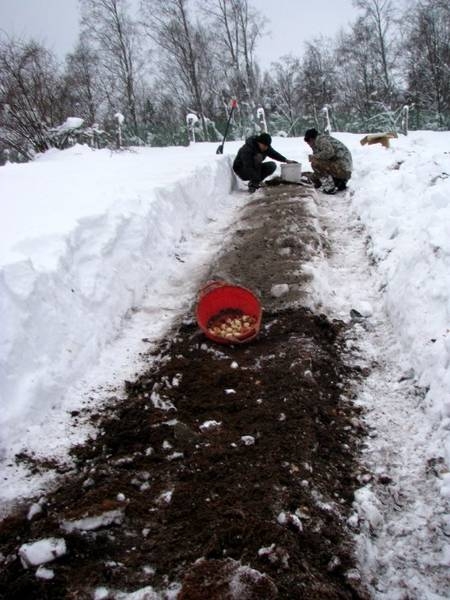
(311, 134)
(264, 138)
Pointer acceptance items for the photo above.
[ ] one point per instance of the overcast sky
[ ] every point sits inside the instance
(290, 23)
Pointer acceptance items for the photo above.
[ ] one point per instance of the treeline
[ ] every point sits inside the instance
(141, 74)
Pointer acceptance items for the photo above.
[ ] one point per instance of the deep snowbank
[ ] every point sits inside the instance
(403, 197)
(85, 237)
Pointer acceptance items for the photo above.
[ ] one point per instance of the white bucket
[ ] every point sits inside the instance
(291, 172)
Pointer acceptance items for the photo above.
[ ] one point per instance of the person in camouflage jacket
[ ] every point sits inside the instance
(330, 157)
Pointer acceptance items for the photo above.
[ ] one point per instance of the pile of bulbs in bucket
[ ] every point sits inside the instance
(231, 323)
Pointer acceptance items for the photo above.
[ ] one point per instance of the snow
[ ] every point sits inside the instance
(161, 403)
(42, 551)
(99, 249)
(147, 593)
(279, 289)
(35, 509)
(210, 425)
(173, 456)
(94, 522)
(120, 118)
(248, 440)
(410, 234)
(242, 582)
(385, 265)
(369, 507)
(71, 123)
(43, 573)
(191, 119)
(287, 518)
(165, 497)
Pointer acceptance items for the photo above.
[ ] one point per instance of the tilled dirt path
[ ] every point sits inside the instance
(227, 472)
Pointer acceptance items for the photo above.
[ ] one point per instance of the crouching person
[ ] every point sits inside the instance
(248, 164)
(330, 157)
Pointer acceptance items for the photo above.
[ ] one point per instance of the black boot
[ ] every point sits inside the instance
(341, 184)
(253, 186)
(330, 190)
(316, 181)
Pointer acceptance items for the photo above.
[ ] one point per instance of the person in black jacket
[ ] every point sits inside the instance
(249, 165)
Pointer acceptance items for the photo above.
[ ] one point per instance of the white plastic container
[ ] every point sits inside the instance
(291, 172)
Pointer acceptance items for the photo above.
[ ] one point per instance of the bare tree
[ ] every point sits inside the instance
(238, 28)
(29, 96)
(318, 77)
(107, 23)
(380, 18)
(428, 58)
(82, 79)
(287, 94)
(357, 72)
(169, 26)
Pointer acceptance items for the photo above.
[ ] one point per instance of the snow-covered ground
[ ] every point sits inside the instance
(398, 279)
(100, 249)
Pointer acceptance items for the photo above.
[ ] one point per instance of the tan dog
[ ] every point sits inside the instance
(378, 138)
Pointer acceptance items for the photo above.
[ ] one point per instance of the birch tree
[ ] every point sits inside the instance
(428, 59)
(82, 78)
(168, 24)
(318, 77)
(238, 27)
(286, 92)
(357, 74)
(110, 28)
(380, 19)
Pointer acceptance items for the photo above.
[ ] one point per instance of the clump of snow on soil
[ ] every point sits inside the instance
(280, 289)
(94, 522)
(146, 593)
(287, 518)
(248, 440)
(243, 578)
(42, 551)
(35, 509)
(44, 573)
(210, 425)
(165, 497)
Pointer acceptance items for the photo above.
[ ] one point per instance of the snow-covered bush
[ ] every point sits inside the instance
(73, 131)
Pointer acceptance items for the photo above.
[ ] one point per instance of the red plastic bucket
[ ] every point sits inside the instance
(219, 296)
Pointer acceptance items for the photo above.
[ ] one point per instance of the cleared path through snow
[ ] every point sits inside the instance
(400, 515)
(226, 472)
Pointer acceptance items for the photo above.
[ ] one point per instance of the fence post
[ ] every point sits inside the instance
(405, 119)
(120, 119)
(191, 120)
(326, 114)
(261, 116)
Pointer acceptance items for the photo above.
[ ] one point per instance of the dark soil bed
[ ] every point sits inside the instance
(227, 470)
(226, 496)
